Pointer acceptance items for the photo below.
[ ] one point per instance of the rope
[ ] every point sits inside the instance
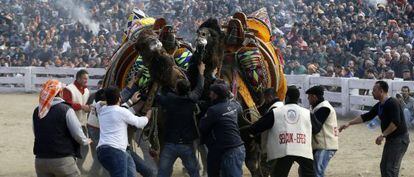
(196, 112)
(152, 126)
(259, 166)
(252, 112)
(155, 128)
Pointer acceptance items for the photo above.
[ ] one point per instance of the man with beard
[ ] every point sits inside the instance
(76, 95)
(407, 103)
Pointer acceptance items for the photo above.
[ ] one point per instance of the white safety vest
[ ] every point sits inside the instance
(77, 97)
(291, 133)
(327, 138)
(263, 140)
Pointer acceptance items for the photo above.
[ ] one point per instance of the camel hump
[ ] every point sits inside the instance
(259, 28)
(235, 32)
(242, 17)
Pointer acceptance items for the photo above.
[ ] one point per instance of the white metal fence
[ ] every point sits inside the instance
(348, 95)
(344, 93)
(29, 79)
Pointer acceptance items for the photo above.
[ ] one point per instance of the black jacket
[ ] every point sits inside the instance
(52, 136)
(179, 112)
(219, 128)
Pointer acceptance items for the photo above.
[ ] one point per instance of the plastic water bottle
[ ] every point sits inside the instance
(374, 123)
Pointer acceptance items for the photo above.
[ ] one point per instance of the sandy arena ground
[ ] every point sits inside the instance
(358, 155)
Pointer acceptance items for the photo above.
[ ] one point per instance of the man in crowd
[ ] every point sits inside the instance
(393, 126)
(77, 94)
(58, 134)
(180, 126)
(113, 140)
(407, 75)
(325, 130)
(407, 102)
(220, 132)
(294, 67)
(289, 137)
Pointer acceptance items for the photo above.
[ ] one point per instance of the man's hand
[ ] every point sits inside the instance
(149, 113)
(136, 97)
(343, 127)
(89, 141)
(214, 73)
(86, 108)
(379, 140)
(201, 68)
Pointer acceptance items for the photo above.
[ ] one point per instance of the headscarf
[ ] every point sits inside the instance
(49, 91)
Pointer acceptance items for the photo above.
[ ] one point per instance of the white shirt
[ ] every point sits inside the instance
(113, 123)
(65, 46)
(92, 117)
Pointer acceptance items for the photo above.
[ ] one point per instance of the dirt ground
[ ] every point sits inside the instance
(358, 155)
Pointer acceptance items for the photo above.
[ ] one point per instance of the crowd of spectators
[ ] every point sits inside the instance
(49, 33)
(336, 38)
(351, 39)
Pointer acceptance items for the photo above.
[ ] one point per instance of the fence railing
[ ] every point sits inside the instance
(348, 95)
(29, 79)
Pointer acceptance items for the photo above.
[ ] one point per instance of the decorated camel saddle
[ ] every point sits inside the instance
(127, 63)
(251, 62)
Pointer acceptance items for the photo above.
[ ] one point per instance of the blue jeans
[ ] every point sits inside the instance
(140, 166)
(169, 155)
(321, 159)
(117, 162)
(131, 167)
(232, 162)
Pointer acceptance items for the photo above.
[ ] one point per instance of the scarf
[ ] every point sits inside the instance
(48, 92)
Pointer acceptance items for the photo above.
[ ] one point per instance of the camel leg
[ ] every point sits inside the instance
(252, 159)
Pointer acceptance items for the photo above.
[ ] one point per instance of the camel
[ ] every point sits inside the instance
(241, 54)
(245, 58)
(156, 59)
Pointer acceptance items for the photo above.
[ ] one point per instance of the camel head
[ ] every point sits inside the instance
(168, 39)
(209, 45)
(148, 45)
(159, 63)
